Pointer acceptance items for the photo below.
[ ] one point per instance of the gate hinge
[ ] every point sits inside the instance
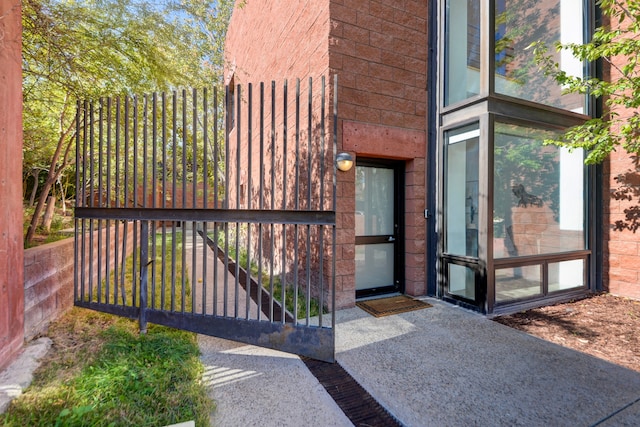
(427, 214)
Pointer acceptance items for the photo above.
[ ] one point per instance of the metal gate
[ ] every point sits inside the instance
(212, 212)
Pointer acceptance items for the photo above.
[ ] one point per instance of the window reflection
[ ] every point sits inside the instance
(462, 50)
(518, 282)
(462, 281)
(538, 194)
(521, 23)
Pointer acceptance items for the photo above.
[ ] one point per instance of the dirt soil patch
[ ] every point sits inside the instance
(604, 326)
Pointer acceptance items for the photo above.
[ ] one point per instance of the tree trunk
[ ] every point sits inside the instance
(53, 175)
(48, 213)
(35, 174)
(63, 200)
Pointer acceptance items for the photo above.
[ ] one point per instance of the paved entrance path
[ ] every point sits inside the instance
(440, 366)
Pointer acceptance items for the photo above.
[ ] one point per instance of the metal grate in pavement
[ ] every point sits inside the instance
(357, 404)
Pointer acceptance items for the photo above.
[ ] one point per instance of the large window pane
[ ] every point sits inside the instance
(538, 205)
(462, 50)
(461, 203)
(520, 23)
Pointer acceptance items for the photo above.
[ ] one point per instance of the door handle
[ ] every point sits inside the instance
(391, 239)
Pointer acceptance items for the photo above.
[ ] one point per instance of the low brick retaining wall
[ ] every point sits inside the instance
(48, 281)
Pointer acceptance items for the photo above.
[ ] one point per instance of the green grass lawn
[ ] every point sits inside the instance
(101, 372)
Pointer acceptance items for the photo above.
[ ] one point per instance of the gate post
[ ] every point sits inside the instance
(144, 274)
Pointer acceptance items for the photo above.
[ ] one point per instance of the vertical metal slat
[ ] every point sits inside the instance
(309, 207)
(297, 205)
(174, 186)
(194, 196)
(163, 267)
(100, 195)
(283, 273)
(116, 243)
(261, 179)
(249, 166)
(90, 158)
(205, 180)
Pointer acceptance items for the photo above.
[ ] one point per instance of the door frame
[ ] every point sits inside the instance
(398, 168)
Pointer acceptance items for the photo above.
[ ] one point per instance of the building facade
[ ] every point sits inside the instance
(454, 193)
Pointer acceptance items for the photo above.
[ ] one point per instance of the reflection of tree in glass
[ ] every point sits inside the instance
(517, 25)
(525, 173)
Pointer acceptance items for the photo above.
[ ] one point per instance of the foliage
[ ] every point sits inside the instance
(102, 372)
(270, 280)
(93, 48)
(617, 45)
(60, 228)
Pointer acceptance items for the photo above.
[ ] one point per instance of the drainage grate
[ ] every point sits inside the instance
(357, 404)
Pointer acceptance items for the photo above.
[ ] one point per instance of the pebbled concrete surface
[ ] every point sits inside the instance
(446, 366)
(19, 374)
(254, 386)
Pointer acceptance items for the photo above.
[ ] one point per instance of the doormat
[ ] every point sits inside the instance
(392, 305)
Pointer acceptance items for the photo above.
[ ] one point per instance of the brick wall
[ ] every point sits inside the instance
(379, 51)
(48, 281)
(278, 40)
(621, 236)
(11, 252)
(621, 242)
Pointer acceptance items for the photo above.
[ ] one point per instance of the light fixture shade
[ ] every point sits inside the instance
(344, 161)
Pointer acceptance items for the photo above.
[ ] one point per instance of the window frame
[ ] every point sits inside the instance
(486, 108)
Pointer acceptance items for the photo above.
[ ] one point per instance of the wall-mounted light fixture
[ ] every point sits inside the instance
(344, 161)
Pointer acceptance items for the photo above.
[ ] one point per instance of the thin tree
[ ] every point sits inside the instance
(88, 49)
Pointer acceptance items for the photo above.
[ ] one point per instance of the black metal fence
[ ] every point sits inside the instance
(188, 217)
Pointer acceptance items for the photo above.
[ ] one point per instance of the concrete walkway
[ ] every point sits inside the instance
(440, 366)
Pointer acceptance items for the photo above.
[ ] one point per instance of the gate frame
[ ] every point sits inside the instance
(280, 332)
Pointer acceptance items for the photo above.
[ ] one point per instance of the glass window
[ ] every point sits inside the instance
(462, 281)
(520, 23)
(461, 203)
(518, 282)
(374, 266)
(374, 201)
(538, 202)
(566, 275)
(462, 50)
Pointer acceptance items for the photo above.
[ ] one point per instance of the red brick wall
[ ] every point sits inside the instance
(278, 40)
(621, 244)
(48, 280)
(621, 237)
(379, 53)
(11, 252)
